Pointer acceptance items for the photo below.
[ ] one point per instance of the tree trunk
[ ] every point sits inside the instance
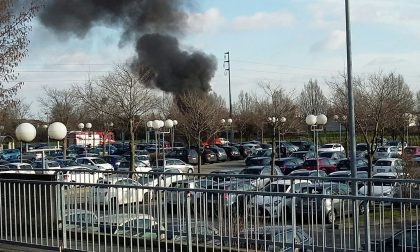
(65, 147)
(132, 137)
(103, 144)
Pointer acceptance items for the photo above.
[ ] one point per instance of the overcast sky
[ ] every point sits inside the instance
(284, 42)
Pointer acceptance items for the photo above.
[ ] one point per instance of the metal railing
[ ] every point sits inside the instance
(96, 211)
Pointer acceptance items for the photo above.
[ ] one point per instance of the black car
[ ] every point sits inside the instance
(232, 152)
(344, 164)
(114, 160)
(289, 164)
(258, 161)
(189, 156)
(244, 150)
(220, 153)
(403, 240)
(258, 153)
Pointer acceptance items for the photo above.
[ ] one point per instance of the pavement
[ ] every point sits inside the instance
(14, 248)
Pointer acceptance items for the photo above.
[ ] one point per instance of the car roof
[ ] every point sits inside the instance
(289, 181)
(388, 159)
(122, 218)
(386, 174)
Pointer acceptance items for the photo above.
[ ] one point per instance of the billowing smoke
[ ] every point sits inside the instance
(152, 23)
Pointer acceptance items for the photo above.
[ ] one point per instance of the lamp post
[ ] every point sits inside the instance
(175, 122)
(340, 120)
(25, 133)
(229, 125)
(274, 123)
(407, 118)
(282, 121)
(230, 138)
(58, 131)
(317, 124)
(160, 126)
(88, 127)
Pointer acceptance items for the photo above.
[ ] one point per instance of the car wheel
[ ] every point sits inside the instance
(190, 170)
(331, 216)
(362, 208)
(146, 197)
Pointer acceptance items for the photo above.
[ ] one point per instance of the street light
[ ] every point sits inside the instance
(149, 125)
(273, 121)
(173, 133)
(229, 125)
(317, 124)
(407, 117)
(88, 127)
(340, 120)
(282, 121)
(160, 126)
(58, 131)
(25, 132)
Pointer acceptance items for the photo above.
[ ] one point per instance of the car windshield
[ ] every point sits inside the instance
(326, 154)
(327, 146)
(382, 183)
(361, 147)
(383, 163)
(382, 150)
(67, 163)
(99, 161)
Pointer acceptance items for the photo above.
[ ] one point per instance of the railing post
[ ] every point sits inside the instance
(367, 226)
(189, 240)
(292, 182)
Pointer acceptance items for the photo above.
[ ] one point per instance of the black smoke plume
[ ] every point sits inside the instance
(153, 24)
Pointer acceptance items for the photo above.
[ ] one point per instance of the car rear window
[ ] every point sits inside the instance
(327, 146)
(382, 150)
(251, 171)
(383, 163)
(309, 163)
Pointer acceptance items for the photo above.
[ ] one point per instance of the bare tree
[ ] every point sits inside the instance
(199, 116)
(15, 17)
(242, 110)
(312, 100)
(121, 95)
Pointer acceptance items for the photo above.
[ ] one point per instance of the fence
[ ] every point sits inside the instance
(190, 212)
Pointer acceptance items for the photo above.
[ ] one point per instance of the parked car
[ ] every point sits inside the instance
(335, 155)
(324, 164)
(412, 151)
(274, 238)
(219, 175)
(257, 153)
(265, 206)
(114, 160)
(43, 166)
(388, 165)
(189, 156)
(135, 225)
(10, 154)
(174, 163)
(115, 195)
(329, 207)
(80, 174)
(244, 150)
(178, 145)
(160, 177)
(385, 152)
(232, 152)
(289, 164)
(208, 156)
(228, 203)
(220, 153)
(258, 161)
(95, 163)
(331, 147)
(201, 232)
(303, 154)
(383, 186)
(67, 163)
(176, 200)
(139, 166)
(400, 146)
(342, 177)
(407, 239)
(257, 171)
(23, 168)
(80, 220)
(344, 164)
(311, 174)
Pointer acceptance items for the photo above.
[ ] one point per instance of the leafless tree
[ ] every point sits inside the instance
(15, 17)
(312, 100)
(199, 116)
(121, 95)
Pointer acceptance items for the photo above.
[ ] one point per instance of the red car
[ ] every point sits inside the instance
(412, 150)
(325, 164)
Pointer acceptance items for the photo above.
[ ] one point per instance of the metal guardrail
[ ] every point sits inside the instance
(96, 211)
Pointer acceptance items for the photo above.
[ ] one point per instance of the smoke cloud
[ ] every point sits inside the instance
(153, 24)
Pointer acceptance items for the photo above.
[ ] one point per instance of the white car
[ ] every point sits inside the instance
(23, 168)
(331, 147)
(80, 174)
(394, 165)
(79, 220)
(139, 166)
(161, 177)
(42, 165)
(137, 225)
(385, 152)
(176, 199)
(382, 189)
(276, 206)
(111, 194)
(95, 163)
(174, 163)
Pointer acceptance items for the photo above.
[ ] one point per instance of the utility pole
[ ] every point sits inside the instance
(226, 65)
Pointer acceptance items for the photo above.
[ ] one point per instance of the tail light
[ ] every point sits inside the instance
(226, 196)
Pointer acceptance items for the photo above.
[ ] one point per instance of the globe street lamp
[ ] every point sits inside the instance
(160, 127)
(25, 133)
(340, 120)
(58, 131)
(88, 127)
(317, 124)
(282, 121)
(175, 122)
(230, 138)
(273, 121)
(149, 125)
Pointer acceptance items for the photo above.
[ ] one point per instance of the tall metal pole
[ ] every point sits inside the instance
(227, 70)
(352, 133)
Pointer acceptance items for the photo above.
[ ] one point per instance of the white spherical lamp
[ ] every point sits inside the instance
(321, 119)
(80, 126)
(283, 119)
(169, 123)
(175, 122)
(229, 121)
(88, 125)
(161, 123)
(149, 124)
(25, 132)
(57, 131)
(311, 120)
(222, 121)
(156, 124)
